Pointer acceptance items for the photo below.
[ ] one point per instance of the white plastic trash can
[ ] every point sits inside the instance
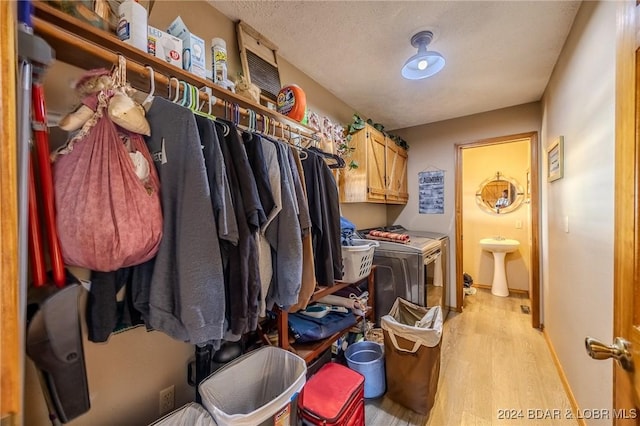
(257, 388)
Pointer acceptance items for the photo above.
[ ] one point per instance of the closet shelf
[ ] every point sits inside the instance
(310, 351)
(82, 45)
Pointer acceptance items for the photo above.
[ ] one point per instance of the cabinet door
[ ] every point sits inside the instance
(376, 166)
(400, 175)
(396, 174)
(391, 159)
(353, 182)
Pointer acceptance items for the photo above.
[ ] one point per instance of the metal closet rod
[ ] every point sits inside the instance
(70, 42)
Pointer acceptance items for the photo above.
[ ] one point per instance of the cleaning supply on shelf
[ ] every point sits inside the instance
(219, 60)
(132, 24)
(292, 102)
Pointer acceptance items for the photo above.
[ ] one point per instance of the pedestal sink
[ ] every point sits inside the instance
(499, 247)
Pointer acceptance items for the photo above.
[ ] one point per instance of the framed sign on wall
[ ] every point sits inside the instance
(555, 159)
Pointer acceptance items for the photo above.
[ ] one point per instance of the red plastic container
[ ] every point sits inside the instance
(334, 396)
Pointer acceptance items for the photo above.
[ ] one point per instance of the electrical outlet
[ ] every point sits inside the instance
(167, 399)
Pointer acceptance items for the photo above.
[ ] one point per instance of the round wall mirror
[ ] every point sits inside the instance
(499, 194)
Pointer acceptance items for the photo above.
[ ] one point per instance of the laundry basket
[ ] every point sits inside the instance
(412, 336)
(357, 260)
(255, 389)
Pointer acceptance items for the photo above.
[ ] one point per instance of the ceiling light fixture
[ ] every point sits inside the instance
(424, 63)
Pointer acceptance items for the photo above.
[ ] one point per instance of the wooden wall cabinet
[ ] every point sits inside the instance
(382, 173)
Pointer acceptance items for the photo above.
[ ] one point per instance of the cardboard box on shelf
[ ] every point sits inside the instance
(193, 48)
(164, 46)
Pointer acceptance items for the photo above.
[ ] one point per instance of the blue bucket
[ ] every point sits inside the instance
(367, 358)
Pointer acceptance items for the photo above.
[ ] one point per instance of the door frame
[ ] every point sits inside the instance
(11, 362)
(626, 248)
(534, 166)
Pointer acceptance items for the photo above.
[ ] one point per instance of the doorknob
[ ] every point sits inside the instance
(619, 350)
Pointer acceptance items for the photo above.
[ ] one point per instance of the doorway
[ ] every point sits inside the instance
(530, 191)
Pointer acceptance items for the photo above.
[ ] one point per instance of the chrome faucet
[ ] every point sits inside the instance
(499, 238)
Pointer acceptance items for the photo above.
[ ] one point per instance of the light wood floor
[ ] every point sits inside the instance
(491, 360)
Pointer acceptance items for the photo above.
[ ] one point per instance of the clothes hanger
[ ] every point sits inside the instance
(302, 153)
(253, 120)
(184, 94)
(288, 127)
(280, 138)
(225, 126)
(187, 98)
(193, 97)
(288, 141)
(249, 127)
(195, 107)
(175, 99)
(296, 144)
(152, 80)
(236, 114)
(169, 89)
(212, 100)
(340, 163)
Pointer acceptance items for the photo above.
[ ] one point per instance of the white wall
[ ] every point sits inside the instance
(433, 145)
(579, 104)
(124, 374)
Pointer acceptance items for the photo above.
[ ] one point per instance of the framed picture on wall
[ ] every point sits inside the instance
(555, 159)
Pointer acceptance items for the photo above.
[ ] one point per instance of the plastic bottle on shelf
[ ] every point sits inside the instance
(219, 60)
(132, 24)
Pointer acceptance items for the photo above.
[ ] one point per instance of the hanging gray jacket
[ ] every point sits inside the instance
(186, 293)
(285, 236)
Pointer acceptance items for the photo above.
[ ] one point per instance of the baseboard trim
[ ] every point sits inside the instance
(511, 290)
(563, 379)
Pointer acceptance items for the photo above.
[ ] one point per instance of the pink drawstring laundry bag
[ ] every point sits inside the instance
(109, 214)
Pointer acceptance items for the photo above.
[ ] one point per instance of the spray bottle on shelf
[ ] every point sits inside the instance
(132, 24)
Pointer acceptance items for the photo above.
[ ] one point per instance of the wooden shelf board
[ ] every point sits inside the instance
(325, 291)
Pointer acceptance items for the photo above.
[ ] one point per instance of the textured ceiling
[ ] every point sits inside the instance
(498, 53)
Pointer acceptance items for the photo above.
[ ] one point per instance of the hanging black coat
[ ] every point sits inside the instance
(242, 276)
